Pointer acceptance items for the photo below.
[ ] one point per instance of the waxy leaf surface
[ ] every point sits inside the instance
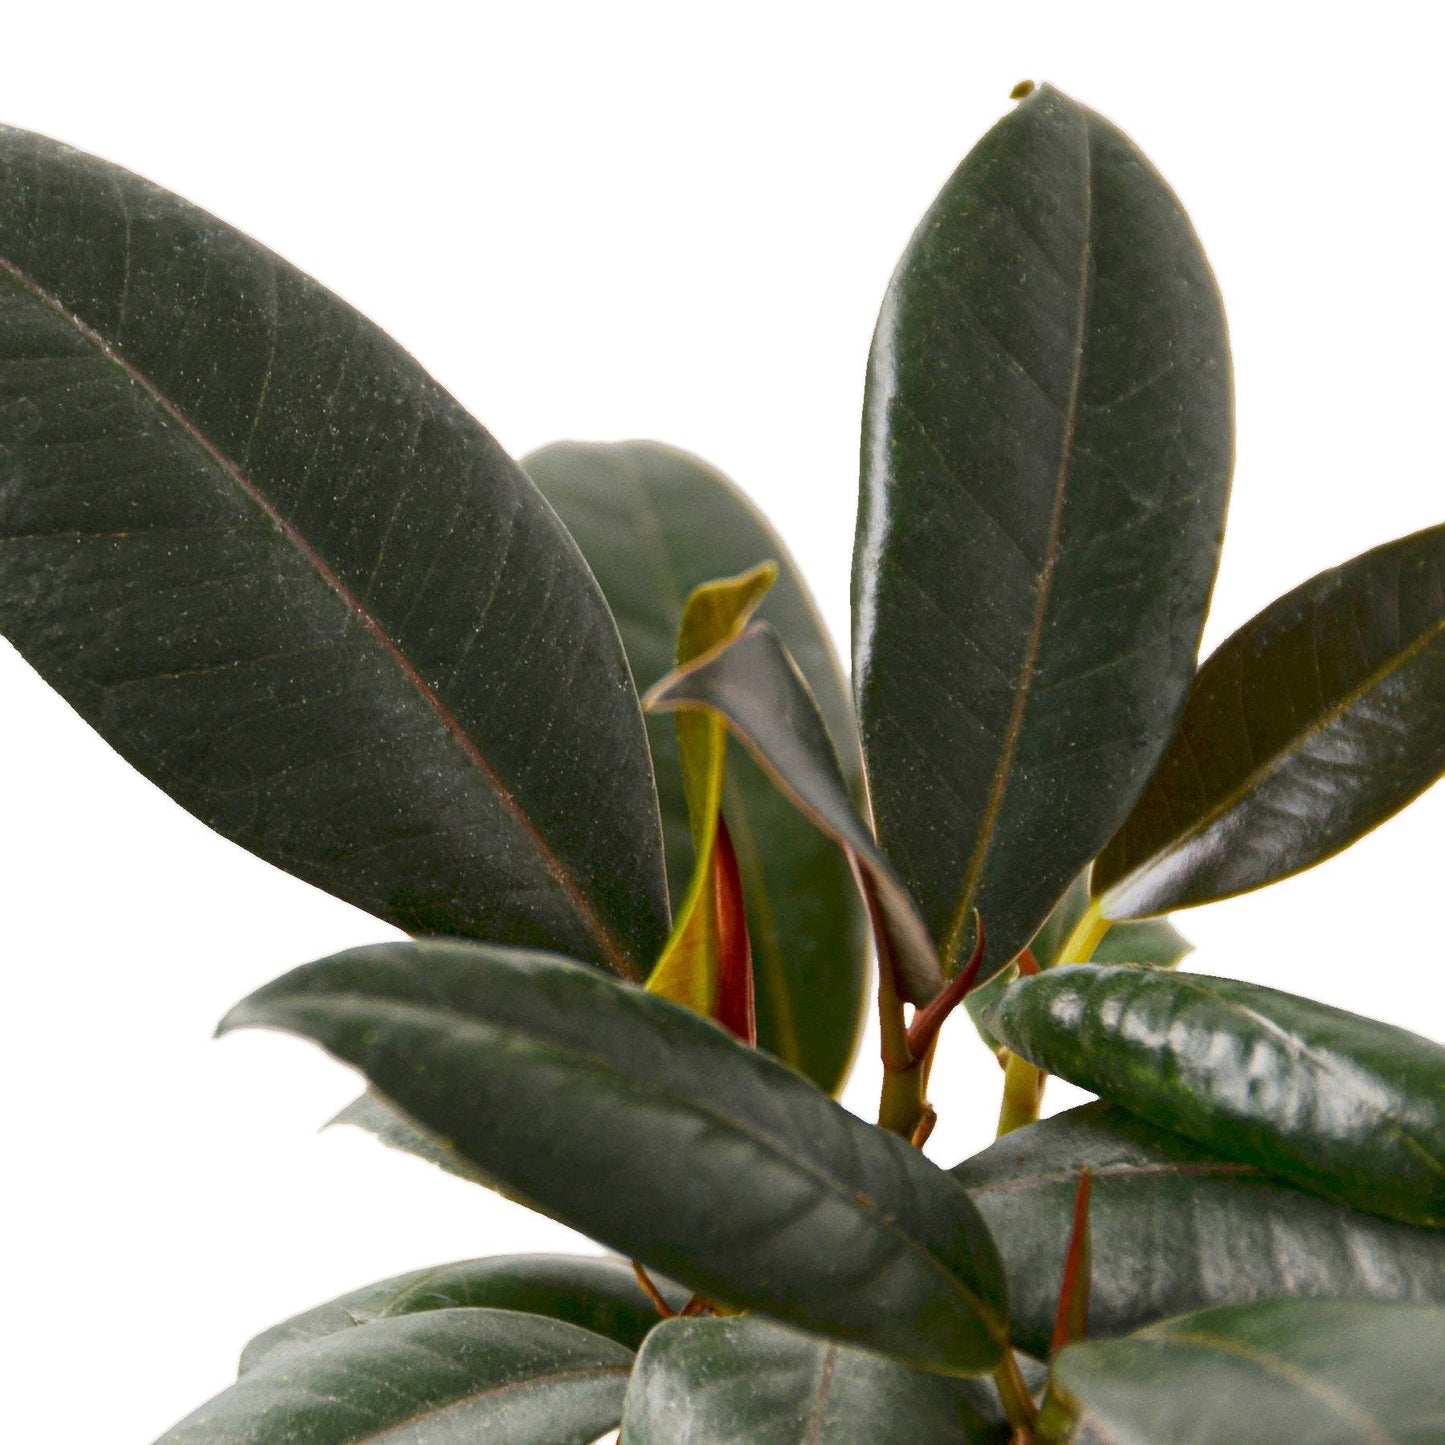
(1341, 1105)
(655, 523)
(446, 1377)
(653, 1131)
(1154, 941)
(1310, 1372)
(754, 685)
(1176, 1228)
(1047, 442)
(744, 1381)
(1313, 723)
(291, 581)
(601, 1295)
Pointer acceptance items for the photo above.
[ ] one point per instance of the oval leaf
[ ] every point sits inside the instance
(1340, 1105)
(1309, 1372)
(291, 581)
(1314, 722)
(600, 1295)
(655, 523)
(648, 1128)
(753, 684)
(730, 1381)
(1175, 1228)
(1047, 441)
(451, 1377)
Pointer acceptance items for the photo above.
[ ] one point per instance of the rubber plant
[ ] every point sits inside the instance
(292, 582)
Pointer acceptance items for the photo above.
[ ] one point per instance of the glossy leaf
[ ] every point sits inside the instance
(754, 685)
(1046, 454)
(1307, 1372)
(1175, 1228)
(1341, 1105)
(1314, 722)
(449, 1377)
(600, 1295)
(654, 523)
(707, 963)
(651, 1130)
(291, 581)
(1154, 941)
(744, 1381)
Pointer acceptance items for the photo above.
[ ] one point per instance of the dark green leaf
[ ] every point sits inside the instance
(647, 1127)
(654, 523)
(1176, 1228)
(601, 1295)
(396, 1129)
(1340, 1105)
(1309, 1372)
(292, 582)
(756, 687)
(1153, 941)
(744, 1381)
(448, 1377)
(1046, 455)
(1313, 723)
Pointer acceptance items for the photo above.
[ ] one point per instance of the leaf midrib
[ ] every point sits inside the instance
(1279, 759)
(617, 957)
(452, 1024)
(540, 1381)
(1014, 728)
(1271, 1364)
(1223, 1170)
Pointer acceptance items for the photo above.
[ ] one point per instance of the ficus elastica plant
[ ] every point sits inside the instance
(573, 725)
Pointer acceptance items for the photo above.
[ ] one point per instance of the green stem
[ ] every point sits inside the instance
(902, 1105)
(1023, 1092)
(1018, 1404)
(1088, 933)
(1023, 1085)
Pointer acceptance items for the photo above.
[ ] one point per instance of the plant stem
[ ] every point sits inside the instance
(1023, 1092)
(1088, 933)
(1023, 1085)
(1018, 1404)
(901, 1107)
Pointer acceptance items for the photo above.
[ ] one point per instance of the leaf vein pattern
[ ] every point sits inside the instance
(953, 942)
(554, 866)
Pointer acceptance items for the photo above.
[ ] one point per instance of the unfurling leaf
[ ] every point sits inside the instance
(654, 523)
(754, 685)
(708, 958)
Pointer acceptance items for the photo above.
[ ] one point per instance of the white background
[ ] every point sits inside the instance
(630, 220)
